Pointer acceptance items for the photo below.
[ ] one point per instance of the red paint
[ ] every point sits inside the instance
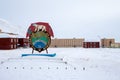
(91, 44)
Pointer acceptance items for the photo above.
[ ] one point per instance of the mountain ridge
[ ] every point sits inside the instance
(7, 27)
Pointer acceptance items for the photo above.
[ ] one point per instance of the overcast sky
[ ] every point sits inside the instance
(89, 19)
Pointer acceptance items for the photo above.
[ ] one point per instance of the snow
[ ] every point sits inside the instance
(69, 64)
(5, 26)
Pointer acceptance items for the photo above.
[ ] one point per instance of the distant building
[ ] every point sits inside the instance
(8, 43)
(23, 42)
(67, 42)
(115, 45)
(91, 44)
(106, 43)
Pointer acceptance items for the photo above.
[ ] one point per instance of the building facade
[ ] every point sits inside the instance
(115, 45)
(91, 44)
(67, 42)
(8, 43)
(23, 42)
(106, 43)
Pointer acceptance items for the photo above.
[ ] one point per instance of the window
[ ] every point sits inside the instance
(11, 40)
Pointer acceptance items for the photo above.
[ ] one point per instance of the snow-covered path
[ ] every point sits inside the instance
(82, 64)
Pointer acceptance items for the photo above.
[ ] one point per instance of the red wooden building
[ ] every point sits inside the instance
(23, 42)
(91, 45)
(8, 43)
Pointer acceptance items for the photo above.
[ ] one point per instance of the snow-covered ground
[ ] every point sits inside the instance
(69, 64)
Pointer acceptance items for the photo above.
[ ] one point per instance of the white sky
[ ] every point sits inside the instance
(89, 19)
